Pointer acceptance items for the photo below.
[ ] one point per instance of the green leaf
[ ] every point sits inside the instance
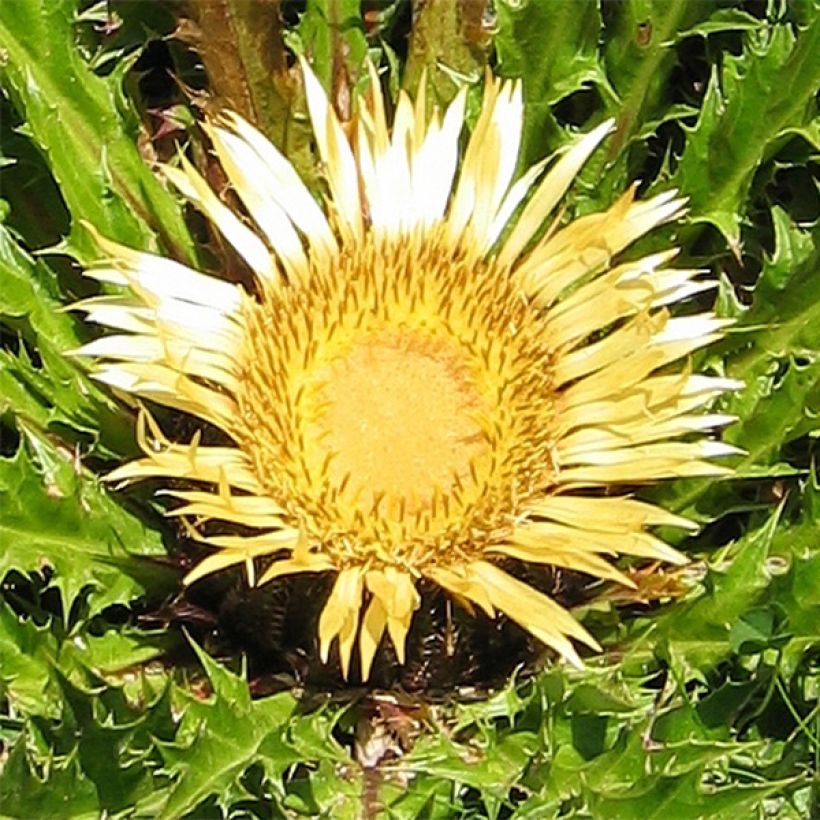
(722, 20)
(686, 798)
(698, 633)
(107, 750)
(744, 112)
(448, 41)
(83, 745)
(27, 653)
(222, 737)
(31, 653)
(28, 290)
(331, 34)
(77, 119)
(59, 790)
(554, 48)
(490, 764)
(797, 591)
(640, 55)
(57, 515)
(54, 394)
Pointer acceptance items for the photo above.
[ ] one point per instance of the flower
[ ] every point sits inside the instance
(421, 383)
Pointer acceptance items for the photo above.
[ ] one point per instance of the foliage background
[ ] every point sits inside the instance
(705, 703)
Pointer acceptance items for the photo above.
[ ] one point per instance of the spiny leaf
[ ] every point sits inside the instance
(57, 515)
(76, 119)
(744, 112)
(554, 48)
(56, 394)
(26, 654)
(491, 766)
(797, 592)
(104, 746)
(221, 738)
(687, 798)
(64, 791)
(30, 654)
(698, 633)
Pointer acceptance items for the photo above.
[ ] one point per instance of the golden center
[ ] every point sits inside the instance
(400, 406)
(397, 418)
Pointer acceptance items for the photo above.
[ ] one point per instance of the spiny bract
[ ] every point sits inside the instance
(422, 383)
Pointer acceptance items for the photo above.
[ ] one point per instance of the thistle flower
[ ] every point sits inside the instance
(421, 383)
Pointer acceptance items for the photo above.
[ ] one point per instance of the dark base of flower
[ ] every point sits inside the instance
(448, 649)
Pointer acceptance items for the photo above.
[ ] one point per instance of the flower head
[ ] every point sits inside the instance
(421, 383)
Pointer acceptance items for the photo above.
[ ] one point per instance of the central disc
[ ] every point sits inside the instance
(395, 425)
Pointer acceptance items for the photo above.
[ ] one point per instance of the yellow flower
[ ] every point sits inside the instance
(421, 383)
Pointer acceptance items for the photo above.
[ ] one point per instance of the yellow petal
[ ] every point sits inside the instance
(293, 566)
(171, 388)
(605, 513)
(399, 599)
(335, 151)
(461, 586)
(370, 636)
(249, 510)
(576, 560)
(551, 190)
(249, 246)
(163, 278)
(590, 358)
(253, 181)
(548, 536)
(237, 550)
(289, 190)
(435, 162)
(668, 395)
(340, 616)
(211, 464)
(643, 431)
(532, 610)
(588, 244)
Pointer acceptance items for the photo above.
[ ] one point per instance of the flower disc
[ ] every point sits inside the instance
(400, 408)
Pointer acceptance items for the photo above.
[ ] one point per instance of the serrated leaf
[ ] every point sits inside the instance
(554, 48)
(491, 765)
(26, 656)
(64, 791)
(743, 113)
(686, 798)
(780, 359)
(222, 737)
(76, 119)
(103, 746)
(83, 747)
(721, 20)
(797, 592)
(699, 632)
(31, 653)
(55, 393)
(639, 58)
(57, 515)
